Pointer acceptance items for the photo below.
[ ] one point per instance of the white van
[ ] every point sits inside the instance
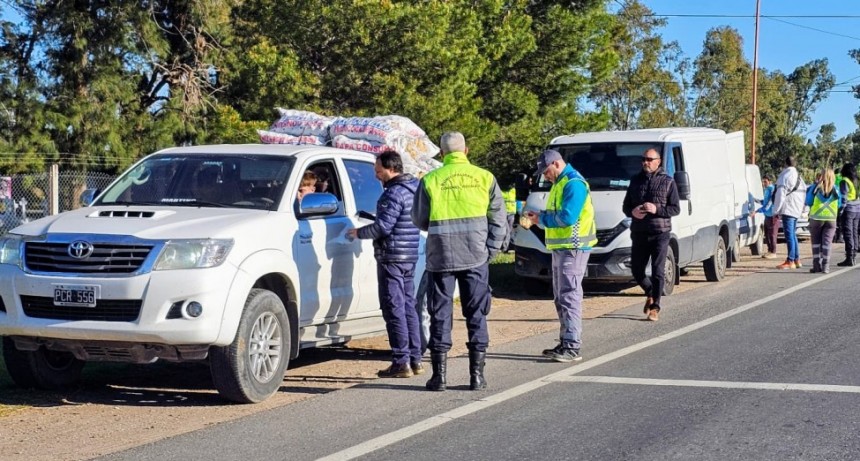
(749, 194)
(701, 160)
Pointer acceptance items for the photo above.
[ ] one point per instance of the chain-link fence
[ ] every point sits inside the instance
(26, 197)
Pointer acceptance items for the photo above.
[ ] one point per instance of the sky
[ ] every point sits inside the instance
(784, 42)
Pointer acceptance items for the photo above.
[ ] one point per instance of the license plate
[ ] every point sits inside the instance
(76, 295)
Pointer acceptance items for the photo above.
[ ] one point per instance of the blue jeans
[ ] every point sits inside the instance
(789, 228)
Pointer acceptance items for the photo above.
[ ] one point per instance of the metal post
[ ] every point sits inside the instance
(755, 83)
(54, 197)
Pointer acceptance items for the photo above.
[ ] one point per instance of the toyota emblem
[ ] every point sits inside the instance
(80, 249)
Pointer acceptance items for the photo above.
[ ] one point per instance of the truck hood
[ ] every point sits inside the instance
(146, 222)
(607, 206)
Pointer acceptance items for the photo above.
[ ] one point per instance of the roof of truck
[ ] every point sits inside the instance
(645, 135)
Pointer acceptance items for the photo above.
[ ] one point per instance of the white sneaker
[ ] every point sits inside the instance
(769, 256)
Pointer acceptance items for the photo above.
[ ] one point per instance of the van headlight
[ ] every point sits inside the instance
(10, 249)
(193, 254)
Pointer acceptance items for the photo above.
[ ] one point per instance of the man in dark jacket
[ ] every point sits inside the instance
(395, 247)
(651, 201)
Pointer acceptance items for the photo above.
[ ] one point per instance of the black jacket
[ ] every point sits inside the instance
(395, 238)
(659, 189)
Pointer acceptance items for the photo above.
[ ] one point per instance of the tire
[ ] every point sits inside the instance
(669, 273)
(757, 248)
(251, 369)
(715, 266)
(535, 287)
(42, 368)
(423, 314)
(736, 251)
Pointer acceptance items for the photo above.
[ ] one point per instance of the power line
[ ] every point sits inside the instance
(813, 28)
(795, 16)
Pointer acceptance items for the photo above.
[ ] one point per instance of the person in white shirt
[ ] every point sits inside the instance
(788, 203)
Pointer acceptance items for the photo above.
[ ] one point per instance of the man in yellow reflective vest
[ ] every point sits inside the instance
(461, 208)
(570, 235)
(510, 197)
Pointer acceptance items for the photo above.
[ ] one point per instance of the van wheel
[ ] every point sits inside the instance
(669, 273)
(536, 287)
(757, 248)
(736, 251)
(251, 369)
(41, 369)
(715, 266)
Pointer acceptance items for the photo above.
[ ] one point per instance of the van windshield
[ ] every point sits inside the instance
(606, 166)
(201, 180)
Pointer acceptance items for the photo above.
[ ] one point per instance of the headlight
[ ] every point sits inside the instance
(10, 249)
(193, 254)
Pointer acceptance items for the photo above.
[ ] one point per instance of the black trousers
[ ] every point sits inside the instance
(653, 247)
(475, 298)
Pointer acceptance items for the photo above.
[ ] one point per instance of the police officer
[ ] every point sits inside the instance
(461, 208)
(570, 234)
(510, 197)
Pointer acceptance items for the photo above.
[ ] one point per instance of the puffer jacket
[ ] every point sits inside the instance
(395, 238)
(659, 189)
(790, 194)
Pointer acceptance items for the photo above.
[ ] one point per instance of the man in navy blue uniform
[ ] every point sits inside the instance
(395, 247)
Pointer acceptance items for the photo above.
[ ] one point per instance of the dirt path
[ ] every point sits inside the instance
(123, 406)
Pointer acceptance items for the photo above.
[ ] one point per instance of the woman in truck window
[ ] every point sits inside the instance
(308, 184)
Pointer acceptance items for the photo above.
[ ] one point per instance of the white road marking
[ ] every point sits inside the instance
(434, 421)
(712, 384)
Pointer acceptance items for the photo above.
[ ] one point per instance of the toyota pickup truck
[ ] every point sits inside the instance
(196, 253)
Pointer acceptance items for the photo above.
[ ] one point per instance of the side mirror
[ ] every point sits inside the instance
(88, 196)
(318, 204)
(682, 180)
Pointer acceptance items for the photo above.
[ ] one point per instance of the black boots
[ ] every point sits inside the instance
(476, 370)
(849, 262)
(439, 362)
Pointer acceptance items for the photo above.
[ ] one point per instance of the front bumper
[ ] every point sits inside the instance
(610, 266)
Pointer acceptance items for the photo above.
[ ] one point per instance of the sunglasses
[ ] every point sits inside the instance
(650, 159)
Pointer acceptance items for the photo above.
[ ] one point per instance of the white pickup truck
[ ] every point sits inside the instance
(196, 253)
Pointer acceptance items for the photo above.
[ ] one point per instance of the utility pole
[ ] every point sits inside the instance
(755, 83)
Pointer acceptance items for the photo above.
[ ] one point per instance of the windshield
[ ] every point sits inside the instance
(201, 180)
(606, 166)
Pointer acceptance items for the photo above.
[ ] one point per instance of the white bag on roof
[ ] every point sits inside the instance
(301, 123)
(271, 137)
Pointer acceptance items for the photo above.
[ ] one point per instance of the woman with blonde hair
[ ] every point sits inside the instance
(823, 200)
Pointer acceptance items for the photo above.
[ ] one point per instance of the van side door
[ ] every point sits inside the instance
(683, 225)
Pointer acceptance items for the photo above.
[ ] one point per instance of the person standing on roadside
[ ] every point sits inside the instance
(788, 200)
(395, 247)
(461, 208)
(823, 200)
(850, 213)
(771, 222)
(651, 201)
(570, 234)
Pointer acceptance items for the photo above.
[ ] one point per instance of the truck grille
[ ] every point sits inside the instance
(108, 310)
(105, 258)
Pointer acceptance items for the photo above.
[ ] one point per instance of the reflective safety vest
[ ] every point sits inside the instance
(460, 196)
(510, 197)
(852, 191)
(824, 208)
(583, 233)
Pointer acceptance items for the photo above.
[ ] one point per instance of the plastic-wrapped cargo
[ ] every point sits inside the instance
(301, 123)
(384, 129)
(271, 137)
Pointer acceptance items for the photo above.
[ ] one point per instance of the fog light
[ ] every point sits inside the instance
(193, 310)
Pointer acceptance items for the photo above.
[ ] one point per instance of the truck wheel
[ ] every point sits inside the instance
(715, 266)
(252, 368)
(757, 248)
(41, 369)
(669, 273)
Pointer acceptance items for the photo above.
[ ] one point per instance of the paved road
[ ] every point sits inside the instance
(766, 367)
